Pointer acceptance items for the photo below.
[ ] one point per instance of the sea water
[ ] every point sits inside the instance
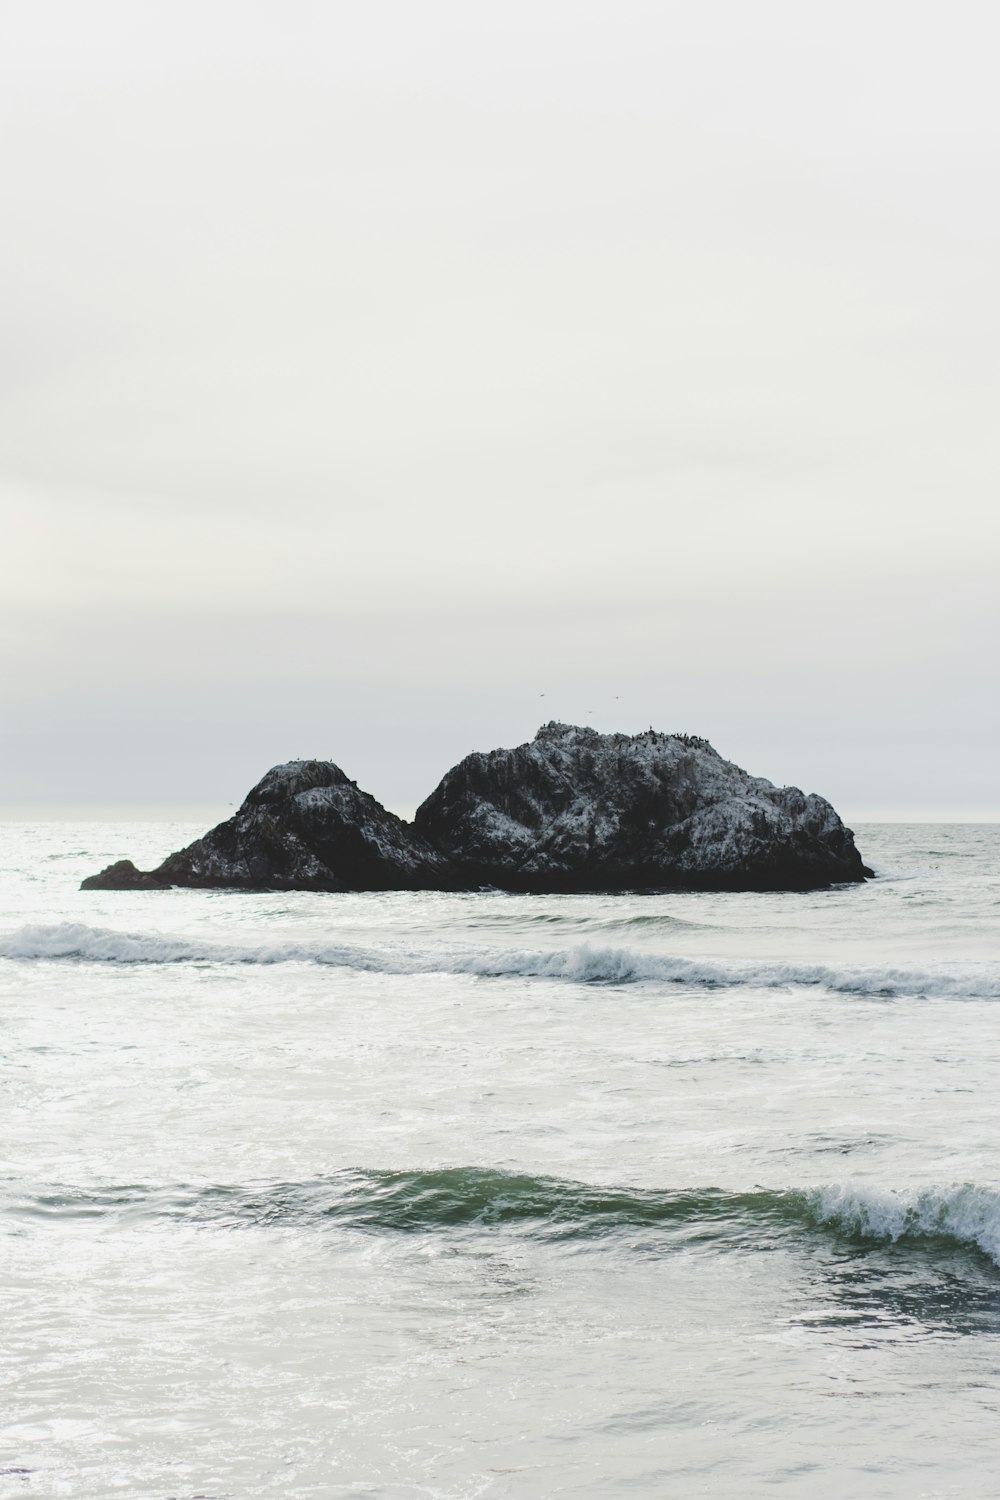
(434, 1197)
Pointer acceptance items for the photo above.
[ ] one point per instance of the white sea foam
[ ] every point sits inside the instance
(966, 1213)
(75, 940)
(581, 963)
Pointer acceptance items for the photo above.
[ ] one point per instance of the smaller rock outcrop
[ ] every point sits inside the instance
(305, 826)
(123, 876)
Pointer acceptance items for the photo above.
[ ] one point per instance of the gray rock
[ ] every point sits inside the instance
(573, 810)
(307, 827)
(122, 876)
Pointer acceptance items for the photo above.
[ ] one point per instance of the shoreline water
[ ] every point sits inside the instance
(505, 1196)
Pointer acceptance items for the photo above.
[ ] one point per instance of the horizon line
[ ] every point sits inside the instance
(211, 813)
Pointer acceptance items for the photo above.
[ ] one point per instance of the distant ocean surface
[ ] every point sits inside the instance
(491, 1197)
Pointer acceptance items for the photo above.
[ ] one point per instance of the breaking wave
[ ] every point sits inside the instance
(581, 963)
(428, 1202)
(964, 1215)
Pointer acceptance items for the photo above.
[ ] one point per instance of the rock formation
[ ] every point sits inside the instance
(307, 827)
(573, 810)
(576, 810)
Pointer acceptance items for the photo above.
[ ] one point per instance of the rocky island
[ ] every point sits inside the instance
(572, 810)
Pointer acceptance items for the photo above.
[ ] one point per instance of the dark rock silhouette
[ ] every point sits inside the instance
(123, 876)
(578, 810)
(573, 810)
(305, 826)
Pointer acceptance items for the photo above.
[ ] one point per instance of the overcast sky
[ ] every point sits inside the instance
(371, 370)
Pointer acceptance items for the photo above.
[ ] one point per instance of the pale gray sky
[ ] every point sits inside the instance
(370, 370)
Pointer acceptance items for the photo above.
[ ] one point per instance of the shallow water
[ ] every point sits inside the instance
(501, 1196)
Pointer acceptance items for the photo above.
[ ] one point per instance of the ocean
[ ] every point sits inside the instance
(494, 1197)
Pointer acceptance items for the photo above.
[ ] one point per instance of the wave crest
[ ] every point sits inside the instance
(964, 1214)
(581, 963)
(428, 1202)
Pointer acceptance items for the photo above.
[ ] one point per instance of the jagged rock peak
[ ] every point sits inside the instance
(305, 826)
(555, 732)
(297, 776)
